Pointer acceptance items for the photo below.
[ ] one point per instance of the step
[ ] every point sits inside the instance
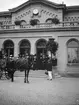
(36, 73)
(73, 69)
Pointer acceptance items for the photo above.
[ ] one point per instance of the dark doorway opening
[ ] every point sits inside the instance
(24, 47)
(41, 54)
(9, 48)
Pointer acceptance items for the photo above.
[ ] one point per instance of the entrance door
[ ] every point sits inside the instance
(41, 53)
(9, 48)
(24, 47)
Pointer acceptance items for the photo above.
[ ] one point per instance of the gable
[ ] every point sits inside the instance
(31, 2)
(41, 9)
(45, 11)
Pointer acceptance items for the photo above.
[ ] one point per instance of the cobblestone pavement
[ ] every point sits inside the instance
(40, 91)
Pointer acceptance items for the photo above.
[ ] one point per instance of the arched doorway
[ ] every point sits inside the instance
(24, 47)
(41, 53)
(8, 48)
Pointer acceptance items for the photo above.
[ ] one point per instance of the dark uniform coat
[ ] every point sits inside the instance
(49, 64)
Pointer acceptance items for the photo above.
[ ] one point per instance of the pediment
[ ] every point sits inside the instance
(40, 10)
(36, 11)
(45, 2)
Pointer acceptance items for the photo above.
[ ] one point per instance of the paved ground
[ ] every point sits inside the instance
(40, 91)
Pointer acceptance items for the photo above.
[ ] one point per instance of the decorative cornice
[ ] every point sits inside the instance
(5, 13)
(72, 8)
(61, 29)
(55, 5)
(14, 37)
(46, 2)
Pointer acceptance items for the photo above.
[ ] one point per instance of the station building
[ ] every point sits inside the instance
(28, 27)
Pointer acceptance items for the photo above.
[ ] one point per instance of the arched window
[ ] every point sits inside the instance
(53, 20)
(73, 51)
(49, 20)
(24, 47)
(23, 23)
(41, 52)
(9, 48)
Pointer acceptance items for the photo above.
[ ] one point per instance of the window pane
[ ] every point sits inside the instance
(73, 44)
(49, 21)
(73, 55)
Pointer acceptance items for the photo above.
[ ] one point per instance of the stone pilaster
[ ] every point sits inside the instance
(16, 49)
(33, 49)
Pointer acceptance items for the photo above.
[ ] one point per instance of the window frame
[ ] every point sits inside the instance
(72, 64)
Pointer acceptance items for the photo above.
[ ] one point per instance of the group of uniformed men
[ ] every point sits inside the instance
(47, 62)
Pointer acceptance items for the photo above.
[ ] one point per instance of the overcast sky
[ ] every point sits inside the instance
(9, 4)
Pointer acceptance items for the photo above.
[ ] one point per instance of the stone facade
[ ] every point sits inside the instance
(66, 32)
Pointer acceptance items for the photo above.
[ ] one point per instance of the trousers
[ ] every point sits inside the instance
(50, 75)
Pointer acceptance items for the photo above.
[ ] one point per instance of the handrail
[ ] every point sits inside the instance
(42, 25)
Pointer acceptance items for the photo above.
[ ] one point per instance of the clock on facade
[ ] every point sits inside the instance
(35, 11)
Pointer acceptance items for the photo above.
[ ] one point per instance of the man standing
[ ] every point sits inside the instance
(49, 68)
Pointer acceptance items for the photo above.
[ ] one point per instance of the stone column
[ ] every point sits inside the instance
(62, 57)
(33, 47)
(16, 49)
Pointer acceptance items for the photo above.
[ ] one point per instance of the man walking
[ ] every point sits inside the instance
(49, 68)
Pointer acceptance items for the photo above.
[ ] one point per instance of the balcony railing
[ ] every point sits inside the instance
(40, 26)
